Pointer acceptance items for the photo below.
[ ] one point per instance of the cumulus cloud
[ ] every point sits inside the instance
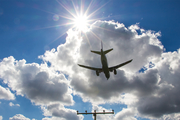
(152, 93)
(102, 116)
(36, 82)
(46, 118)
(6, 94)
(126, 114)
(12, 104)
(127, 45)
(18, 117)
(1, 118)
(143, 46)
(59, 112)
(166, 99)
(41, 84)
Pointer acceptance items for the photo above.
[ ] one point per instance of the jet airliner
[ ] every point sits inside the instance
(104, 63)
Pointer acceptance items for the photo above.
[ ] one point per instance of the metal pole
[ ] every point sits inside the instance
(94, 114)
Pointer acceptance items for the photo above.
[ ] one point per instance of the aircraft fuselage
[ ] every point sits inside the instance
(104, 64)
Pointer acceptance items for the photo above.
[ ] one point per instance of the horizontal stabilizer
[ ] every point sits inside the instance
(106, 51)
(97, 52)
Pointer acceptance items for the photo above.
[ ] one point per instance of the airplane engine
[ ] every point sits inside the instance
(97, 73)
(115, 72)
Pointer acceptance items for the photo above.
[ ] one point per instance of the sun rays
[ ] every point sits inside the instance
(79, 17)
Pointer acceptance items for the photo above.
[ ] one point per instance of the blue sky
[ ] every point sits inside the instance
(41, 79)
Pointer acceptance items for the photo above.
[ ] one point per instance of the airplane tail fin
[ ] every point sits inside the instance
(101, 45)
(99, 52)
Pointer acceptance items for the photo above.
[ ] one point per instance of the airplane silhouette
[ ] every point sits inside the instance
(104, 63)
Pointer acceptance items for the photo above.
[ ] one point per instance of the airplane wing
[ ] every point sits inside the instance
(91, 68)
(120, 65)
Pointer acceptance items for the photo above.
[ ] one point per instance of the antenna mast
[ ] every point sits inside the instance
(95, 113)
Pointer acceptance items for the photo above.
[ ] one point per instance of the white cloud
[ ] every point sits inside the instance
(46, 118)
(12, 104)
(18, 117)
(175, 116)
(40, 84)
(60, 113)
(149, 88)
(6, 94)
(166, 98)
(1, 118)
(126, 114)
(102, 116)
(152, 94)
(37, 82)
(127, 45)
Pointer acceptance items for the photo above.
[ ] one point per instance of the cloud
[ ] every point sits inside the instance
(47, 118)
(6, 94)
(166, 99)
(18, 117)
(102, 116)
(42, 85)
(60, 113)
(1, 118)
(151, 88)
(126, 114)
(37, 82)
(127, 45)
(175, 116)
(152, 93)
(12, 104)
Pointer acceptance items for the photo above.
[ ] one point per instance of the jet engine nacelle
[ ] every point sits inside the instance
(115, 72)
(97, 73)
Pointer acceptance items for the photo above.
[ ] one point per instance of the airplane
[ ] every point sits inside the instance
(104, 63)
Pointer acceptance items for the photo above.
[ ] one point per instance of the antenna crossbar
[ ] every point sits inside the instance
(95, 113)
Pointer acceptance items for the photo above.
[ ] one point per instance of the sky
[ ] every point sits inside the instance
(42, 41)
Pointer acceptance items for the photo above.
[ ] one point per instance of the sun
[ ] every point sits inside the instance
(79, 16)
(81, 23)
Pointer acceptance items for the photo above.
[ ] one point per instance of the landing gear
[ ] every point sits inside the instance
(115, 72)
(97, 73)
